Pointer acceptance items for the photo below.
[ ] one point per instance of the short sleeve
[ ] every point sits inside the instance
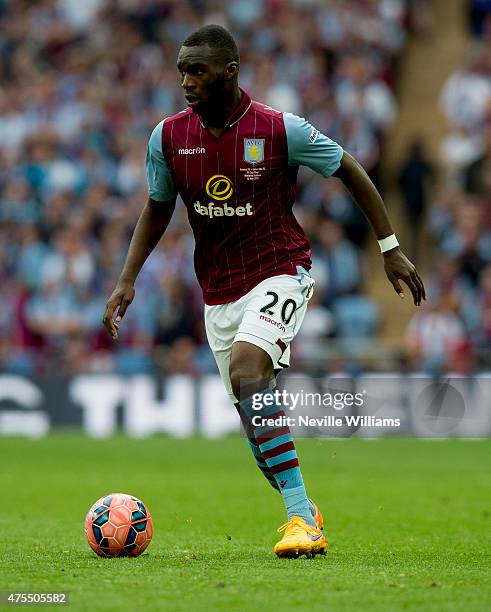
(309, 147)
(161, 186)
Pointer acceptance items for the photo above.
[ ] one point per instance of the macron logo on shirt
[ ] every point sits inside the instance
(195, 151)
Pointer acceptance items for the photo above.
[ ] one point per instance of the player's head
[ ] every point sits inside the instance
(209, 65)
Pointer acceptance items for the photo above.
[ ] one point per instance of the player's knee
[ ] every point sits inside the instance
(249, 376)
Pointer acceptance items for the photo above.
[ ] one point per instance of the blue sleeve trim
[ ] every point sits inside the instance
(160, 181)
(309, 147)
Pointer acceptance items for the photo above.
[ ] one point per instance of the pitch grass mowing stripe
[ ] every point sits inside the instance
(408, 523)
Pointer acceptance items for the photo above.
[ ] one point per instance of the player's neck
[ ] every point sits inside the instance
(218, 118)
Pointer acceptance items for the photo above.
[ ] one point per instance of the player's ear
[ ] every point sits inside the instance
(231, 69)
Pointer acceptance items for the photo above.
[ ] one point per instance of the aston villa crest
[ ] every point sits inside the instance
(253, 150)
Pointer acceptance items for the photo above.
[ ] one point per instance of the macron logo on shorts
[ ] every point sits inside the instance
(273, 322)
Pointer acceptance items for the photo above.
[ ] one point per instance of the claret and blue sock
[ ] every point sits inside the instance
(275, 453)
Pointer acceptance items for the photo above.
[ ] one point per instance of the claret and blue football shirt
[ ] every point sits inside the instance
(239, 191)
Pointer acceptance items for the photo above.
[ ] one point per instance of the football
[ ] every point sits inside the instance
(118, 525)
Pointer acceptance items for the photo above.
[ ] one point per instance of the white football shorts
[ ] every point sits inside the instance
(269, 316)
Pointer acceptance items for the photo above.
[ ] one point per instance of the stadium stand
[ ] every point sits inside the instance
(453, 331)
(81, 87)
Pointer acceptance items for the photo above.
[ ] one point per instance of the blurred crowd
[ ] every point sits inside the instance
(82, 84)
(454, 331)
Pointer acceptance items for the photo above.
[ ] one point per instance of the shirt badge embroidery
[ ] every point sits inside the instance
(253, 150)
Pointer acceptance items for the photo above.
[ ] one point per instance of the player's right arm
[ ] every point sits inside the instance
(151, 225)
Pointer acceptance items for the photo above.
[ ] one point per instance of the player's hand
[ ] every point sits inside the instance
(398, 267)
(120, 299)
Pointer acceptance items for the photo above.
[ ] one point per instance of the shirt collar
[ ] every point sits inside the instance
(239, 111)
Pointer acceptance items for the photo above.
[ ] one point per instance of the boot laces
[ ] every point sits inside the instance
(293, 525)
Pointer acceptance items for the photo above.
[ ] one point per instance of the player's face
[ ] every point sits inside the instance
(203, 77)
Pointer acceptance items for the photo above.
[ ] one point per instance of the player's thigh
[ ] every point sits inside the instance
(273, 314)
(251, 369)
(221, 325)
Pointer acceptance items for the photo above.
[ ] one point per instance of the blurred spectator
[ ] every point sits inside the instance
(341, 259)
(356, 319)
(466, 94)
(477, 178)
(415, 178)
(437, 340)
(316, 327)
(483, 328)
(479, 13)
(469, 240)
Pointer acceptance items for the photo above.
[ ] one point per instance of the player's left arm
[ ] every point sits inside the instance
(309, 147)
(397, 266)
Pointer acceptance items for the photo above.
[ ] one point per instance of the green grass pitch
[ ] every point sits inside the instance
(408, 523)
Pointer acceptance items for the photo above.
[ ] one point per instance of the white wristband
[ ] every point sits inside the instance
(386, 244)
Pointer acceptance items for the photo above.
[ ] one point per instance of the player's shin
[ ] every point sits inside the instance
(261, 463)
(275, 442)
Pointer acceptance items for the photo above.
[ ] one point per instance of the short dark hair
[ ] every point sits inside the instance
(215, 37)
